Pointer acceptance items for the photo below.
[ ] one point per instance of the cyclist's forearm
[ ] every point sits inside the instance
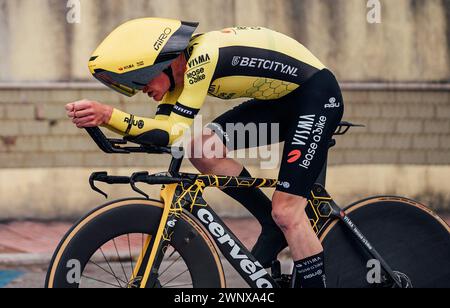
(131, 125)
(163, 112)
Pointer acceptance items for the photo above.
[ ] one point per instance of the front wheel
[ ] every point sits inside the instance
(102, 249)
(413, 240)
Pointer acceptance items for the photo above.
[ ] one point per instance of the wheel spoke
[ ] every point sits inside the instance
(120, 261)
(172, 264)
(106, 271)
(131, 258)
(179, 275)
(104, 282)
(110, 267)
(171, 255)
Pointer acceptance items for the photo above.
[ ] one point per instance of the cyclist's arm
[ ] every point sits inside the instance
(165, 129)
(131, 125)
(164, 132)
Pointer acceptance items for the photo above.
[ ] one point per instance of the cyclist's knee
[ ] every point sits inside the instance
(288, 210)
(205, 150)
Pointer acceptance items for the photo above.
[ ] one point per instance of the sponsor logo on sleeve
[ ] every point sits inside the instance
(196, 75)
(184, 111)
(131, 121)
(198, 61)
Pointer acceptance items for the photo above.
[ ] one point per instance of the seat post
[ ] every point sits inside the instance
(322, 179)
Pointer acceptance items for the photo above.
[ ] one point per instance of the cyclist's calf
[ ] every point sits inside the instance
(289, 213)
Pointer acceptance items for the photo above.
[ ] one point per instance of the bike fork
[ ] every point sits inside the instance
(147, 267)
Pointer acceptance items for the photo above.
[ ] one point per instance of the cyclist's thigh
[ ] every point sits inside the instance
(252, 124)
(318, 107)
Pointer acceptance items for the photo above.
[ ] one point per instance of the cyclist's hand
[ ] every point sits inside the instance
(88, 113)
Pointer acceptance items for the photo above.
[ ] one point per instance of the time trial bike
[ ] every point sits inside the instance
(175, 241)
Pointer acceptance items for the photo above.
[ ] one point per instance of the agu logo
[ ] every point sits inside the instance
(333, 103)
(285, 185)
(294, 156)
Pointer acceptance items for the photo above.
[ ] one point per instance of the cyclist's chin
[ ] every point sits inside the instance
(158, 98)
(155, 96)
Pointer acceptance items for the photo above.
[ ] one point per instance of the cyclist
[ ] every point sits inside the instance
(287, 85)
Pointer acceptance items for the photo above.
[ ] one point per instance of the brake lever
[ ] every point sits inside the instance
(95, 177)
(139, 177)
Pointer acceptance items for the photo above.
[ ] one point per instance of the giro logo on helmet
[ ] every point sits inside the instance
(162, 38)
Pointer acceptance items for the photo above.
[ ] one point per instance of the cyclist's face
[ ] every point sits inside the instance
(158, 87)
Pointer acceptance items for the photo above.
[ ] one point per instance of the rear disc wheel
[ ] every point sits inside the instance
(412, 240)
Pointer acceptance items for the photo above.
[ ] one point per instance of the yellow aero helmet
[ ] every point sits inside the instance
(138, 51)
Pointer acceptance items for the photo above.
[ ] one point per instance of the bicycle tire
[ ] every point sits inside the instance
(412, 239)
(136, 216)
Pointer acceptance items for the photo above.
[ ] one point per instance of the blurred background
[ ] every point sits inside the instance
(394, 66)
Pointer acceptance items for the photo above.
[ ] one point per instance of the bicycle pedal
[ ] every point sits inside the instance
(284, 282)
(276, 269)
